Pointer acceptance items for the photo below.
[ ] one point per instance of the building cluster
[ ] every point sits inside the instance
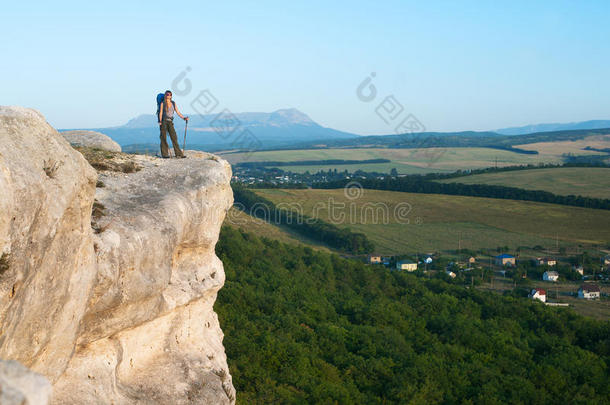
(276, 176)
(587, 291)
(411, 265)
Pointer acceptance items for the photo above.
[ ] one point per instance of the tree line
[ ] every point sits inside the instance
(314, 228)
(414, 184)
(471, 172)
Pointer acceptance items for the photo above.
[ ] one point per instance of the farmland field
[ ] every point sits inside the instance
(406, 161)
(425, 222)
(585, 181)
(553, 149)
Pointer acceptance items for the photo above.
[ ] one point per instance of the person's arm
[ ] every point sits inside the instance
(161, 112)
(178, 112)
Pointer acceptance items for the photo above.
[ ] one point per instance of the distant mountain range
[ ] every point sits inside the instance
(214, 131)
(286, 128)
(530, 129)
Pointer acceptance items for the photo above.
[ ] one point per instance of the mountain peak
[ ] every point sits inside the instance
(290, 116)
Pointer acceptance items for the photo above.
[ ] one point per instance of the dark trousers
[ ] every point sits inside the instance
(168, 126)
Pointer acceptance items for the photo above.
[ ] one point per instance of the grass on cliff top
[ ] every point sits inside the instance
(103, 160)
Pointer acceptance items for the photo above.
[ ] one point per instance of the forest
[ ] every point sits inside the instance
(307, 327)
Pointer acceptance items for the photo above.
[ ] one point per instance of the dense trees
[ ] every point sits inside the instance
(302, 326)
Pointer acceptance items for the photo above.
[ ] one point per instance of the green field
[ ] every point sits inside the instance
(440, 222)
(585, 181)
(238, 219)
(406, 161)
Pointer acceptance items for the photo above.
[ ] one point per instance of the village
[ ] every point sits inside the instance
(555, 281)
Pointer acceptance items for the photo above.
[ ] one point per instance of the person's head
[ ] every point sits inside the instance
(168, 95)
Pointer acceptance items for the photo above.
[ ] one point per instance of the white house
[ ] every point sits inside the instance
(589, 291)
(407, 265)
(450, 273)
(428, 260)
(550, 276)
(538, 294)
(579, 269)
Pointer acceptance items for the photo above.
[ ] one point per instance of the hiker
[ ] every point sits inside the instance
(166, 124)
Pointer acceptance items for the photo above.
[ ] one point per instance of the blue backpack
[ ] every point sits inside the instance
(160, 98)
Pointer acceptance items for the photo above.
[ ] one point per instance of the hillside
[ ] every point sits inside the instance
(431, 222)
(468, 139)
(307, 327)
(586, 181)
(529, 129)
(405, 161)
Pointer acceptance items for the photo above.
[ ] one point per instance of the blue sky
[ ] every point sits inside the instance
(454, 65)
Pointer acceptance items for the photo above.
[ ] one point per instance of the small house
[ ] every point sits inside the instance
(505, 260)
(472, 260)
(450, 273)
(428, 260)
(407, 265)
(538, 294)
(579, 269)
(607, 260)
(373, 259)
(589, 291)
(550, 276)
(545, 261)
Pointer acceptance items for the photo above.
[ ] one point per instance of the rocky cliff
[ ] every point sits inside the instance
(108, 291)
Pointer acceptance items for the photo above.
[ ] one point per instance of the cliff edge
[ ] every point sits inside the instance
(108, 280)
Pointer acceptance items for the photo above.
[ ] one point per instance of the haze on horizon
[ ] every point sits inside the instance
(466, 66)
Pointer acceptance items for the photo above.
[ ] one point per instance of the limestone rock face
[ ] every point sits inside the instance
(91, 139)
(45, 204)
(20, 386)
(123, 313)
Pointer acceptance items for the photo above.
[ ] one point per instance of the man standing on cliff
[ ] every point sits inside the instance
(166, 124)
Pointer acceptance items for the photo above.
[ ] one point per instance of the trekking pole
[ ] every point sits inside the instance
(184, 142)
